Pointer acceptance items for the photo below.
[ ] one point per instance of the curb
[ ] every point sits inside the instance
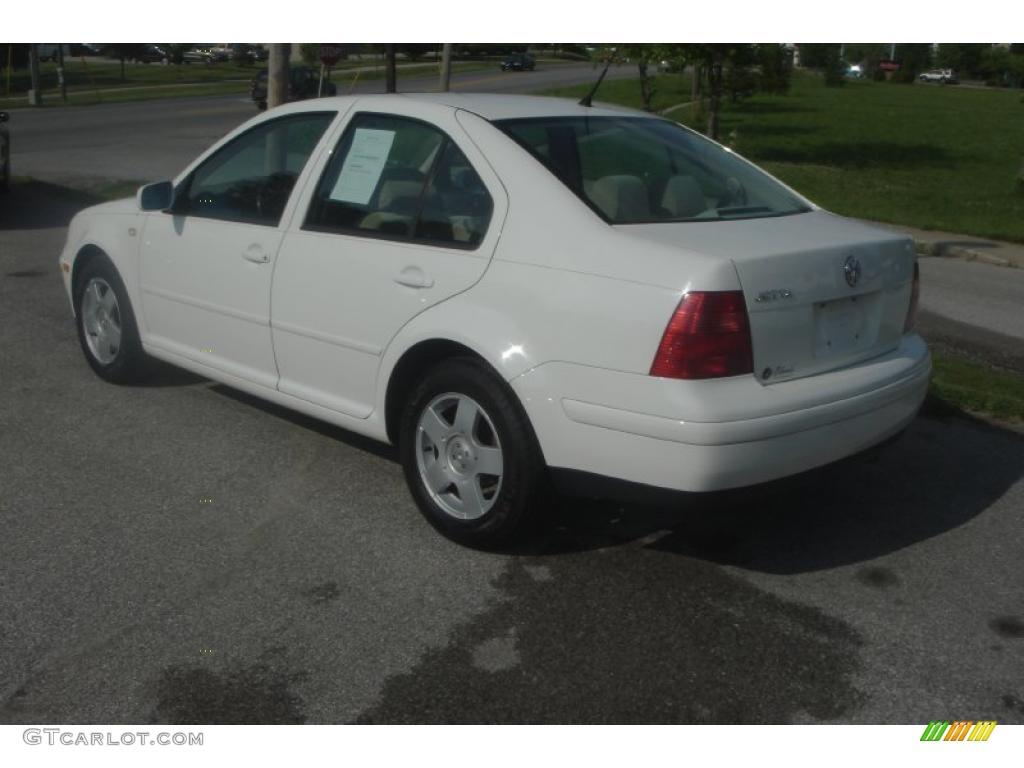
(941, 250)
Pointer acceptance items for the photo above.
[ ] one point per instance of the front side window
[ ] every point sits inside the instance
(250, 179)
(644, 170)
(401, 179)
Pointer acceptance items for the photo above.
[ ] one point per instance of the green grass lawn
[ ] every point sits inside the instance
(933, 157)
(978, 388)
(669, 90)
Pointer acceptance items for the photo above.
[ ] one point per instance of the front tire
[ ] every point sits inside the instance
(469, 454)
(106, 324)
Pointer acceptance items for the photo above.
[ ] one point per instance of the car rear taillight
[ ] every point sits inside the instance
(915, 293)
(707, 337)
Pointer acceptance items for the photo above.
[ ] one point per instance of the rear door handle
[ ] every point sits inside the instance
(256, 254)
(413, 277)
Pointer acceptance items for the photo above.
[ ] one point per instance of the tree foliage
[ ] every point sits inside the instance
(827, 59)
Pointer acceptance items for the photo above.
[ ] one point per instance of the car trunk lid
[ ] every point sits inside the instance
(821, 292)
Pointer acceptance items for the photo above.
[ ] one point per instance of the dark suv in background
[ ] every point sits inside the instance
(303, 85)
(518, 62)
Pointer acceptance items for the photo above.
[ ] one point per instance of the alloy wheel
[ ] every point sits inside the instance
(101, 320)
(459, 456)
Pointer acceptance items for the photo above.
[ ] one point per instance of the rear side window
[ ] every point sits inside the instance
(400, 179)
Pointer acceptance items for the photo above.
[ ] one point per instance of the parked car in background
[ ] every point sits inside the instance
(855, 71)
(518, 62)
(304, 84)
(947, 76)
(197, 56)
(83, 49)
(511, 289)
(5, 153)
(51, 51)
(212, 53)
(153, 54)
(254, 51)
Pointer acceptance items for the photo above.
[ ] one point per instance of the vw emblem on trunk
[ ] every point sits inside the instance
(851, 270)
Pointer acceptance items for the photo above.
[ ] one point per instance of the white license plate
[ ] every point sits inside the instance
(840, 325)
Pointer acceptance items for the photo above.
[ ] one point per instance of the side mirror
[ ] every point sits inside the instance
(4, 117)
(156, 197)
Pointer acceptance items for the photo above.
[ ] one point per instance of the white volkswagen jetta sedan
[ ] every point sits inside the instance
(511, 289)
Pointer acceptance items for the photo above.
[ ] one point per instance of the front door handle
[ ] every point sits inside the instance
(413, 277)
(256, 254)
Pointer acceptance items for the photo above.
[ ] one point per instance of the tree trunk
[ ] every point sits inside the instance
(715, 88)
(646, 85)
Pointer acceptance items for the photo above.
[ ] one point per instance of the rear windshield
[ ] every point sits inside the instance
(634, 170)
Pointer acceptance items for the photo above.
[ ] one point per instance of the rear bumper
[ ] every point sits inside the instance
(713, 435)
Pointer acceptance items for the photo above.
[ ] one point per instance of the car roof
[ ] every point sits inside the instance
(492, 106)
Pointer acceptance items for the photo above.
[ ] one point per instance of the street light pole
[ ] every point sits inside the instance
(35, 96)
(277, 74)
(390, 76)
(60, 72)
(446, 67)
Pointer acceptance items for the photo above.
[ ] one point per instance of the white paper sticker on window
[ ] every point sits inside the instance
(363, 166)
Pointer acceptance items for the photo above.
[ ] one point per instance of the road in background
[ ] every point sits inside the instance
(974, 309)
(974, 293)
(156, 139)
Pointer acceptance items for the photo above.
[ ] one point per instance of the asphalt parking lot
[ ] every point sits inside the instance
(179, 552)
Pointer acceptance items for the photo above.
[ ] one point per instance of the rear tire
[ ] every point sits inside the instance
(106, 324)
(470, 456)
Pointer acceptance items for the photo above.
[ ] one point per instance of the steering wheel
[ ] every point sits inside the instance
(272, 194)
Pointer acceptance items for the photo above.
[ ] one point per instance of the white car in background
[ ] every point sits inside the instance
(939, 76)
(507, 287)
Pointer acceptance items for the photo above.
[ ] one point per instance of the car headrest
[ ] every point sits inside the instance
(683, 197)
(621, 197)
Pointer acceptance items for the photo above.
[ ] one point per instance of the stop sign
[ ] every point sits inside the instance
(330, 53)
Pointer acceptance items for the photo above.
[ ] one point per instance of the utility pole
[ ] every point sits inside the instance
(390, 75)
(278, 74)
(60, 72)
(35, 96)
(446, 67)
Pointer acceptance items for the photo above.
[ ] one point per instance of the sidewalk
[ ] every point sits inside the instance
(934, 243)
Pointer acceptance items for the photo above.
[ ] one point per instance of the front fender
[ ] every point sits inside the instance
(113, 228)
